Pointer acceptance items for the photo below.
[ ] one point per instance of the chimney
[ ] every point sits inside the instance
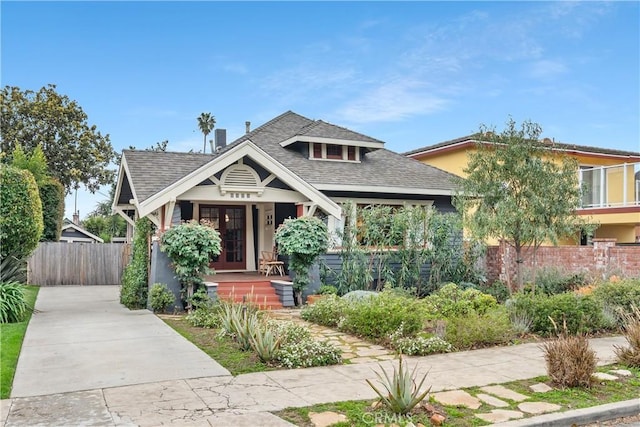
(76, 217)
(221, 138)
(247, 124)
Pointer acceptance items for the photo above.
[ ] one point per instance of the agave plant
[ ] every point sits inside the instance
(244, 323)
(265, 343)
(401, 393)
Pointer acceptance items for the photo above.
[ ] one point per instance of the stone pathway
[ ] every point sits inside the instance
(354, 349)
(493, 396)
(496, 396)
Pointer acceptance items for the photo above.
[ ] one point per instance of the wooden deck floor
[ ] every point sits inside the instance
(252, 276)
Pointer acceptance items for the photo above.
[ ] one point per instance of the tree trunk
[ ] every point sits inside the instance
(519, 267)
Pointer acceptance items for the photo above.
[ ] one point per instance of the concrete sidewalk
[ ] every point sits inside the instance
(81, 338)
(246, 399)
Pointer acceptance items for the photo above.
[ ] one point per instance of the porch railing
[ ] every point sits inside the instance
(610, 186)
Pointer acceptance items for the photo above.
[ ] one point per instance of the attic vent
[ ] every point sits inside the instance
(240, 178)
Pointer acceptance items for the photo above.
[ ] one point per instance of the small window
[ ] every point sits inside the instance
(334, 151)
(317, 151)
(351, 153)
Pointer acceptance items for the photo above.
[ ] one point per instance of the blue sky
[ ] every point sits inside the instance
(408, 73)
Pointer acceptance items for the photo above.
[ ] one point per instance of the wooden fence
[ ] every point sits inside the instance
(60, 263)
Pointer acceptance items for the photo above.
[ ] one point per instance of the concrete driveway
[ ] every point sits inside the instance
(81, 338)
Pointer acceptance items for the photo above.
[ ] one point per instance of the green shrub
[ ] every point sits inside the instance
(419, 345)
(358, 295)
(52, 197)
(160, 297)
(377, 318)
(308, 353)
(552, 281)
(475, 330)
(133, 293)
(326, 311)
(20, 213)
(451, 301)
(289, 332)
(582, 313)
(327, 290)
(205, 317)
(190, 246)
(498, 290)
(620, 296)
(13, 306)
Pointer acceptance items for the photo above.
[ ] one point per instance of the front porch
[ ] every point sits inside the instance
(268, 292)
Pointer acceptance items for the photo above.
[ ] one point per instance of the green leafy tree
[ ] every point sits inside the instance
(35, 162)
(20, 213)
(206, 123)
(190, 246)
(76, 152)
(52, 197)
(514, 192)
(303, 239)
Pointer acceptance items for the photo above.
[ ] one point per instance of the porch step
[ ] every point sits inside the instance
(258, 292)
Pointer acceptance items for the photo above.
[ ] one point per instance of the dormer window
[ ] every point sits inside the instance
(321, 151)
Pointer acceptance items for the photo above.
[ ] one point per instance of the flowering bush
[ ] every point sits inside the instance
(452, 301)
(326, 311)
(418, 345)
(289, 332)
(307, 353)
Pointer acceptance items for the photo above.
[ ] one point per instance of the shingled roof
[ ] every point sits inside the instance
(472, 139)
(151, 172)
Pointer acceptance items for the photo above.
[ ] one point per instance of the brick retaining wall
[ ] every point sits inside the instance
(603, 257)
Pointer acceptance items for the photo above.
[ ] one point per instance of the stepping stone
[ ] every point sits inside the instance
(363, 360)
(457, 398)
(540, 388)
(366, 352)
(325, 419)
(621, 372)
(493, 401)
(503, 392)
(386, 357)
(601, 376)
(500, 416)
(538, 407)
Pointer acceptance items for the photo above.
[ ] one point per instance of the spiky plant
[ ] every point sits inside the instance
(13, 269)
(13, 306)
(244, 323)
(265, 343)
(630, 356)
(400, 393)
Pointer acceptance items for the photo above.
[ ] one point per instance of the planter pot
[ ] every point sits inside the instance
(311, 299)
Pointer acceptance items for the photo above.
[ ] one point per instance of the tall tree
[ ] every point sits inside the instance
(519, 190)
(76, 152)
(206, 123)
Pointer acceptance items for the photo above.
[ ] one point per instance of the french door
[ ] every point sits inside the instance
(230, 221)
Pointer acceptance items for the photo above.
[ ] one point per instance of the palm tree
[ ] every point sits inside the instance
(206, 123)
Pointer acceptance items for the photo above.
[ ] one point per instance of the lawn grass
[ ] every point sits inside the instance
(223, 350)
(11, 336)
(361, 414)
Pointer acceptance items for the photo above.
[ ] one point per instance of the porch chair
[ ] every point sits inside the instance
(269, 264)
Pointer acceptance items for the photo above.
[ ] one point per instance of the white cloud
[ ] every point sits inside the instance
(546, 68)
(393, 101)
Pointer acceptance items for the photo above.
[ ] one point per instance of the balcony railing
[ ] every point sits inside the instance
(610, 186)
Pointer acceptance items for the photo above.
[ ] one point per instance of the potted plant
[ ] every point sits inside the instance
(322, 291)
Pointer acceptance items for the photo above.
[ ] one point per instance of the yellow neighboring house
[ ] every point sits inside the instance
(611, 179)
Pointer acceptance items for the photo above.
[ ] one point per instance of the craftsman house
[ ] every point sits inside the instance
(289, 167)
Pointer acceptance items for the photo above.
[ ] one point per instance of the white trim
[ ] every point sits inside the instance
(123, 166)
(246, 148)
(382, 189)
(390, 202)
(79, 230)
(317, 139)
(120, 211)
